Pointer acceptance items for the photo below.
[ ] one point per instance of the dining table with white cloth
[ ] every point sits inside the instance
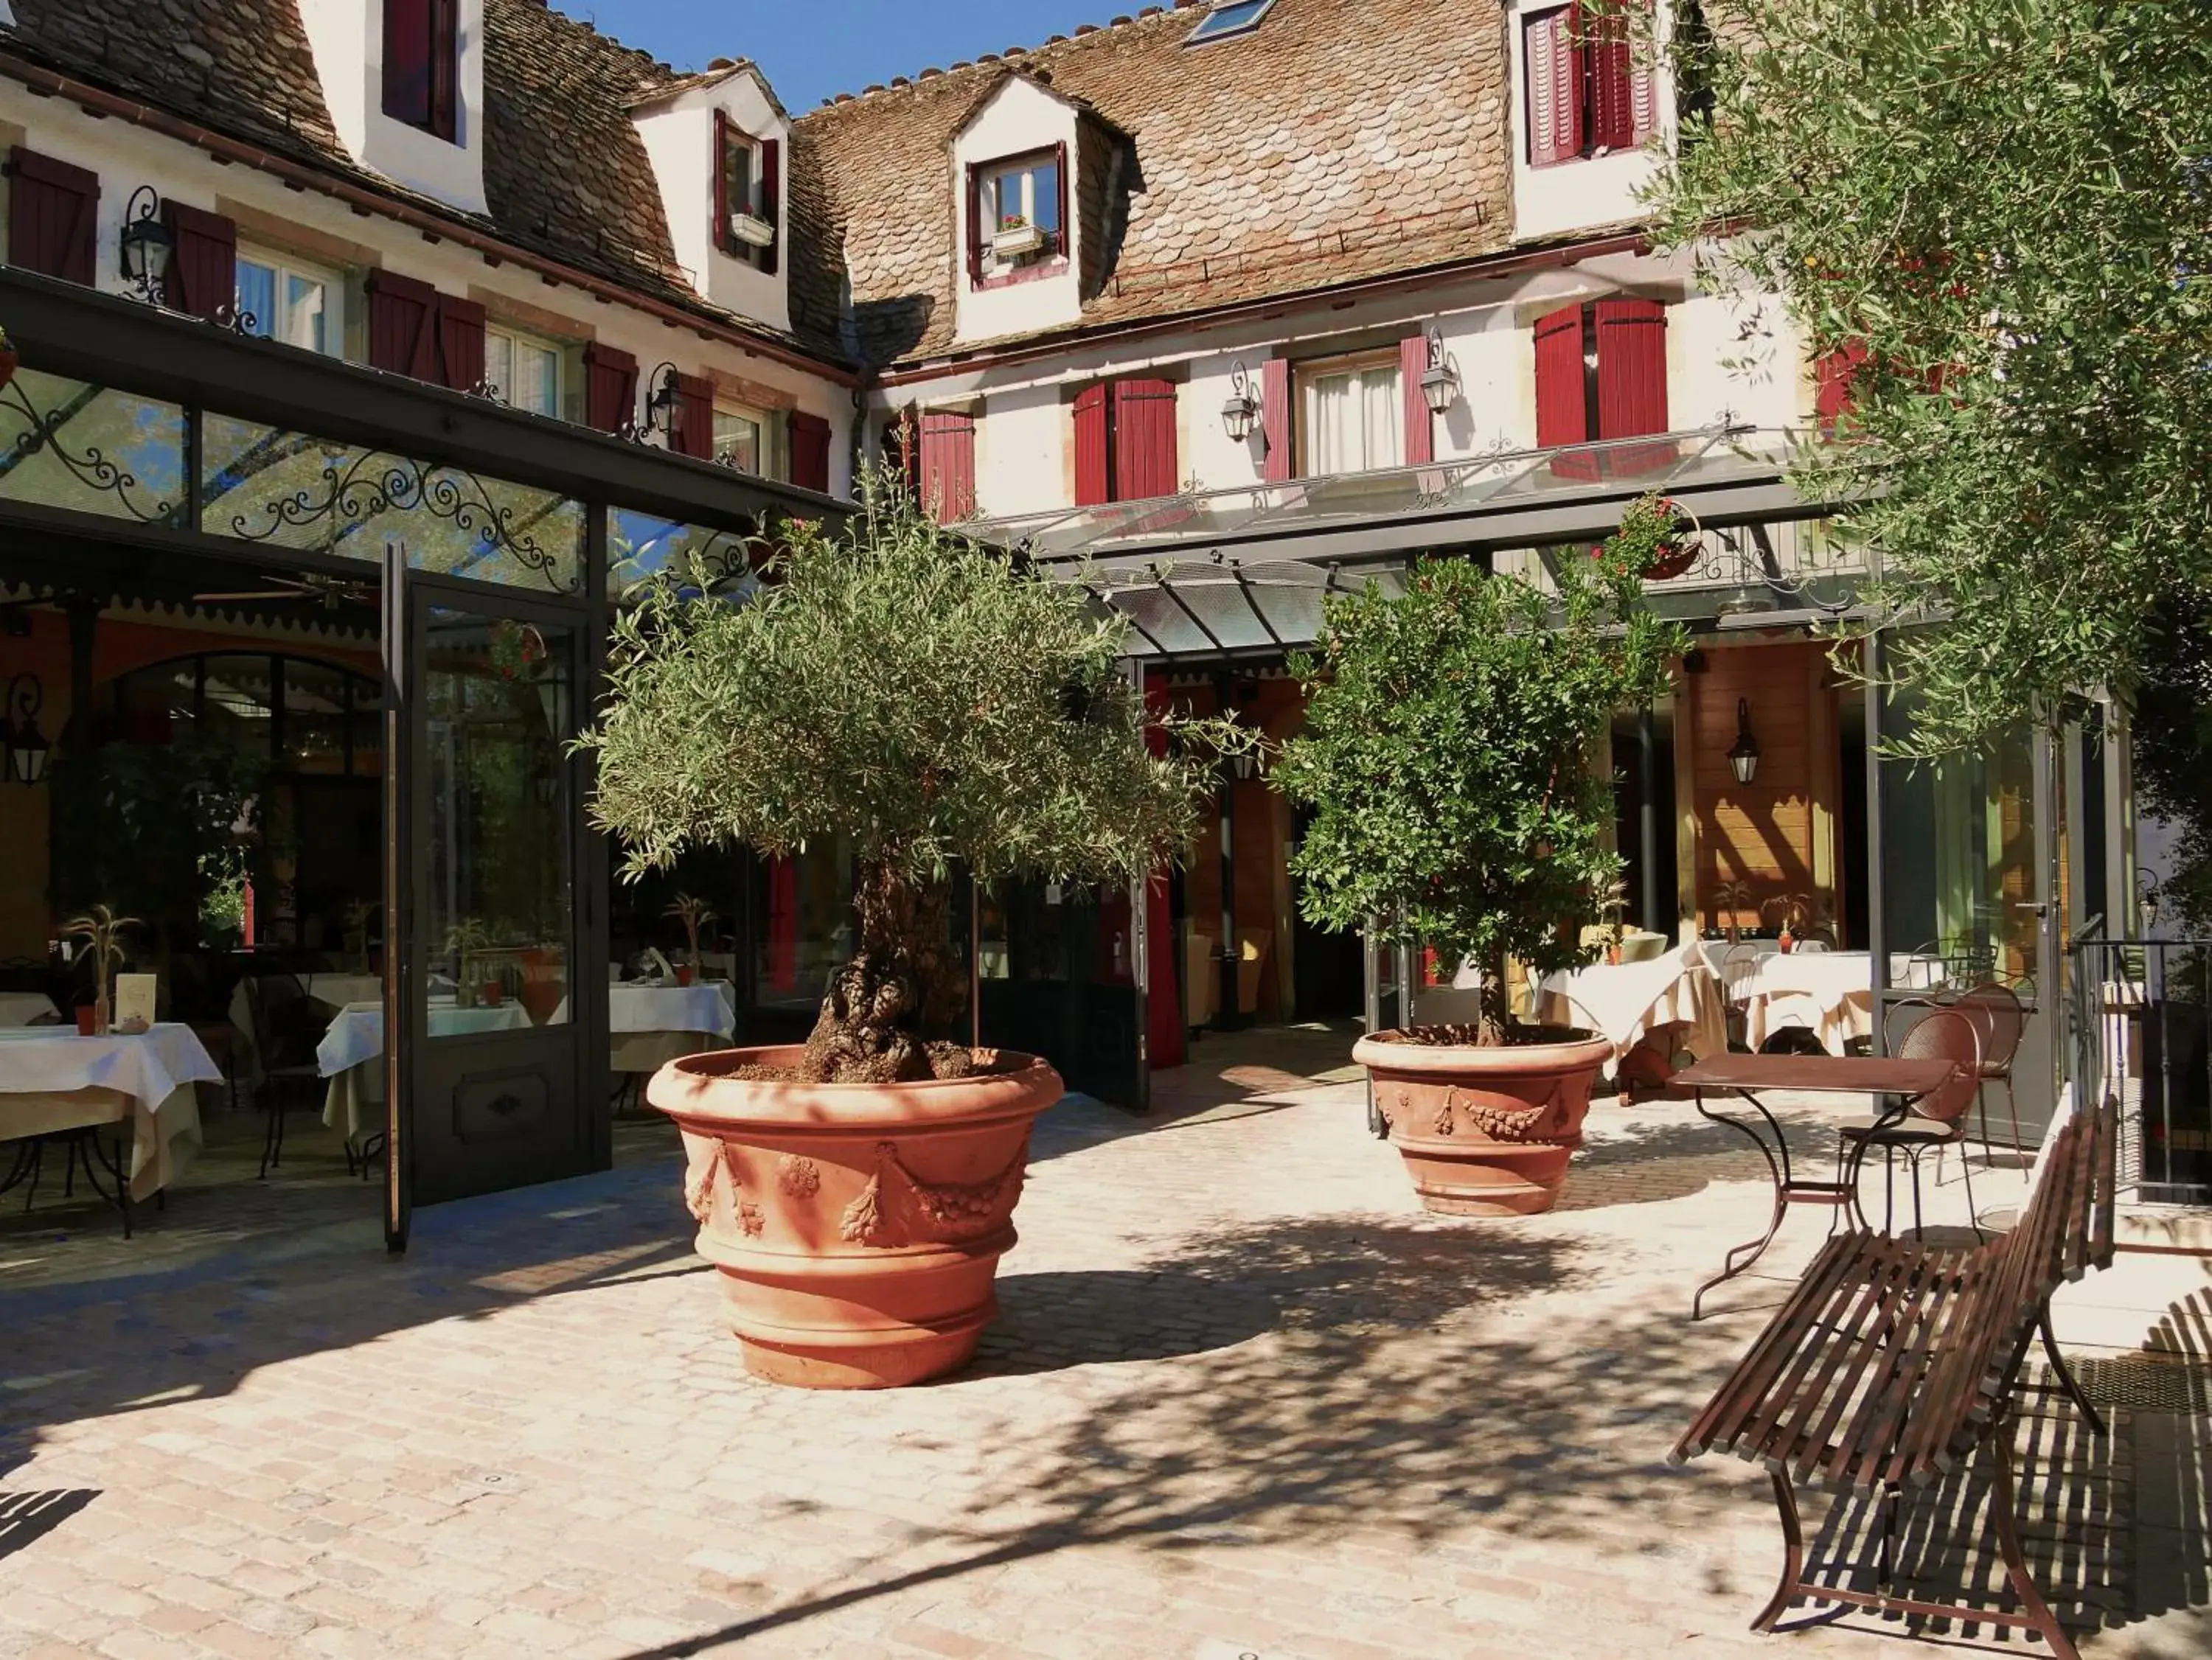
(53, 1080)
(353, 1101)
(1828, 993)
(333, 989)
(22, 1008)
(1624, 1003)
(649, 1026)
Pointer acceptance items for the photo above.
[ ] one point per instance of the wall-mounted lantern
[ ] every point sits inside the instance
(1743, 754)
(664, 407)
(1440, 381)
(146, 245)
(1242, 412)
(27, 745)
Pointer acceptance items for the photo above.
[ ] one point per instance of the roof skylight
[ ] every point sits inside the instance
(1226, 18)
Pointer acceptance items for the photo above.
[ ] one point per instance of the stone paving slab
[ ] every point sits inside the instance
(1244, 1398)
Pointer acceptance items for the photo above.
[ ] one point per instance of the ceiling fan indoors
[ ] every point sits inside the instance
(328, 591)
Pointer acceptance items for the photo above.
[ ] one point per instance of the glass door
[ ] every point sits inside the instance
(1965, 868)
(498, 996)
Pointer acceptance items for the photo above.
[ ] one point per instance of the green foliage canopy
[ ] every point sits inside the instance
(2008, 203)
(896, 685)
(1449, 745)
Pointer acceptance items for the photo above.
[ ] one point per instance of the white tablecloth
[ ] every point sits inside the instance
(1830, 993)
(356, 1035)
(710, 1007)
(21, 1008)
(335, 990)
(1624, 1003)
(52, 1081)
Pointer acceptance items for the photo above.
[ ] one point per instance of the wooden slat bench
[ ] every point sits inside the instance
(1894, 1361)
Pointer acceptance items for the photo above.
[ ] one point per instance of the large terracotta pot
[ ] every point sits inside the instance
(1484, 1131)
(857, 1226)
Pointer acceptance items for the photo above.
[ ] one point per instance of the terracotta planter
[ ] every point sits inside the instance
(1484, 1131)
(857, 1226)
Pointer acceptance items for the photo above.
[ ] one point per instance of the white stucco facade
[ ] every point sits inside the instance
(678, 135)
(1019, 119)
(328, 234)
(347, 37)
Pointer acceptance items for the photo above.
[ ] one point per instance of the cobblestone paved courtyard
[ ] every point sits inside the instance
(1245, 1399)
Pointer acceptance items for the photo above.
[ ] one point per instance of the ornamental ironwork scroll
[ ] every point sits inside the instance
(348, 492)
(63, 431)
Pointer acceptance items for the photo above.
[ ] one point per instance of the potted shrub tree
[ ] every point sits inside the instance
(932, 703)
(1448, 753)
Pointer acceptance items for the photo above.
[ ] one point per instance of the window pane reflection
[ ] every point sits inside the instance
(496, 701)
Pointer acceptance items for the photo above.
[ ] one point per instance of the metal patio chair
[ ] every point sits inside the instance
(1999, 1022)
(1937, 1120)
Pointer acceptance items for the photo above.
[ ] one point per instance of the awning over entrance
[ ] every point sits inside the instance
(1242, 572)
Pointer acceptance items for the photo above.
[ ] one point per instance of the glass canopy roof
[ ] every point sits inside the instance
(1442, 490)
(1215, 574)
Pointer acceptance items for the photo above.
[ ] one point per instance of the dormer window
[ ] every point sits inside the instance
(1587, 95)
(422, 65)
(746, 186)
(1018, 214)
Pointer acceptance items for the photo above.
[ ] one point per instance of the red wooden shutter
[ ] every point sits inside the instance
(460, 342)
(694, 435)
(810, 452)
(1562, 390)
(202, 275)
(446, 69)
(974, 225)
(1631, 367)
(53, 212)
(407, 61)
(1093, 475)
(771, 167)
(610, 388)
(723, 206)
(948, 466)
(1419, 424)
(1611, 78)
(1831, 382)
(1143, 439)
(1275, 417)
(402, 326)
(1066, 233)
(1553, 69)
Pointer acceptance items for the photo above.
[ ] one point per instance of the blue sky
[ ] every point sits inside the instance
(812, 50)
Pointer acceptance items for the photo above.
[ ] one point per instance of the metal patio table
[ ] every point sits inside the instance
(1902, 1083)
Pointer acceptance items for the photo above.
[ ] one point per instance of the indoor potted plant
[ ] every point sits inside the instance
(929, 701)
(1448, 758)
(694, 913)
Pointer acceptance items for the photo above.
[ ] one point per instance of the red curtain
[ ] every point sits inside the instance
(782, 925)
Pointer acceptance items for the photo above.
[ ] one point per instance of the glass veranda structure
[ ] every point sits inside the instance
(473, 553)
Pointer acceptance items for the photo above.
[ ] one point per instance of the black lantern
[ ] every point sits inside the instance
(664, 407)
(27, 745)
(146, 244)
(1743, 754)
(1440, 381)
(1242, 412)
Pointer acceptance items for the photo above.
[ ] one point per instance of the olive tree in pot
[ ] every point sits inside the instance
(1448, 753)
(932, 703)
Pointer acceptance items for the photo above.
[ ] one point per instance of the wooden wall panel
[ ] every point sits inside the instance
(1777, 834)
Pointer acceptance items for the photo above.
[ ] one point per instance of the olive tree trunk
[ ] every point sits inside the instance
(902, 984)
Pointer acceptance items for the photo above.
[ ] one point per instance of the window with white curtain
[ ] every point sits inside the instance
(1351, 415)
(288, 301)
(524, 371)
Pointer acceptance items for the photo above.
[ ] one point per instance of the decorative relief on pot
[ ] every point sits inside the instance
(1445, 1125)
(952, 1212)
(702, 1178)
(799, 1177)
(1502, 1123)
(750, 1218)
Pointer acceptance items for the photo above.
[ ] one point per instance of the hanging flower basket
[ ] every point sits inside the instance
(519, 651)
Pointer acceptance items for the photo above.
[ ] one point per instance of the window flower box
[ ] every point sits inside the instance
(1015, 239)
(752, 230)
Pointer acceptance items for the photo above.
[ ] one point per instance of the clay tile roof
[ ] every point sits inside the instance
(565, 175)
(1341, 139)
